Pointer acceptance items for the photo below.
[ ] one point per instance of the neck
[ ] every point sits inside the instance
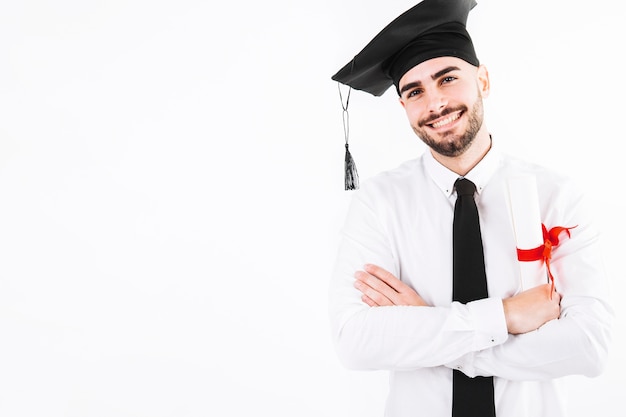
(462, 164)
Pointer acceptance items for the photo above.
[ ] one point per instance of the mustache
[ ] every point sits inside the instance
(445, 112)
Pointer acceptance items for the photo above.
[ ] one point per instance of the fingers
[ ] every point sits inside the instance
(556, 303)
(369, 301)
(387, 277)
(380, 287)
(375, 291)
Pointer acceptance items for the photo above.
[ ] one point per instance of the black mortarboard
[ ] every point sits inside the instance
(431, 29)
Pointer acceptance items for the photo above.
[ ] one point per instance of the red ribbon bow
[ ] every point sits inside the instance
(544, 252)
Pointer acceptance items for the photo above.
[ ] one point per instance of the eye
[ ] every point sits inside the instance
(447, 79)
(412, 94)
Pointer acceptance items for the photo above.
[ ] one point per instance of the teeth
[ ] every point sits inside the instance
(446, 121)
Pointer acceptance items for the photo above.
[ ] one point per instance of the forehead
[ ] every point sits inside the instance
(423, 71)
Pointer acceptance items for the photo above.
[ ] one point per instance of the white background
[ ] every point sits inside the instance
(171, 191)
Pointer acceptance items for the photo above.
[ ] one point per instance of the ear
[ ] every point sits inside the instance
(484, 85)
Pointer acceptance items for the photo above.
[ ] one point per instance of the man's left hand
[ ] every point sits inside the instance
(381, 288)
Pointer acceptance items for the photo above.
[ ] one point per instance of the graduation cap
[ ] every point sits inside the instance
(431, 29)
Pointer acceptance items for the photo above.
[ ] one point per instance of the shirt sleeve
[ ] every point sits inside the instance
(577, 343)
(399, 337)
(567, 346)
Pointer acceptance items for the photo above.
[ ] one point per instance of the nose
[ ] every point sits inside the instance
(436, 101)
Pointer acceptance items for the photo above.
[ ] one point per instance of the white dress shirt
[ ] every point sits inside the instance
(401, 220)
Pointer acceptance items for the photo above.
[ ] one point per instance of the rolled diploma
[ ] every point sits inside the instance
(526, 219)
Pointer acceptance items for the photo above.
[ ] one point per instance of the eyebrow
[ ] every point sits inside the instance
(436, 75)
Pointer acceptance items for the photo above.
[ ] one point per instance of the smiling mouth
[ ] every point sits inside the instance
(446, 121)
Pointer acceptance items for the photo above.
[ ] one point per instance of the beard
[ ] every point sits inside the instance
(452, 144)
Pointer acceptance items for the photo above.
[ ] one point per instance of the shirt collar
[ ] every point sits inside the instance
(479, 175)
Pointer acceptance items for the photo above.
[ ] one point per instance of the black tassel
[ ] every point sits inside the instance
(352, 176)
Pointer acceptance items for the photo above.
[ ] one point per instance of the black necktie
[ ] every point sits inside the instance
(471, 397)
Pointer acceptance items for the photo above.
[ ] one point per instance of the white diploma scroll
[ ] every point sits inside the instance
(526, 220)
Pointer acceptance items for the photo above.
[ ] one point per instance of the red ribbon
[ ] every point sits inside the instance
(544, 252)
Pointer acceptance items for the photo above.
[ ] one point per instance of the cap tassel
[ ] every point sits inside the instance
(351, 175)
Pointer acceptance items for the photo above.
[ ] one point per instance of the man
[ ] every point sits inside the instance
(393, 296)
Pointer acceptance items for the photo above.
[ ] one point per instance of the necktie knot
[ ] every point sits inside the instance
(464, 187)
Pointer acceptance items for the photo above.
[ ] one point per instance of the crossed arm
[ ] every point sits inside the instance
(524, 312)
(380, 322)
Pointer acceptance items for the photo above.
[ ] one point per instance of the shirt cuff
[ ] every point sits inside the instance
(489, 331)
(489, 323)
